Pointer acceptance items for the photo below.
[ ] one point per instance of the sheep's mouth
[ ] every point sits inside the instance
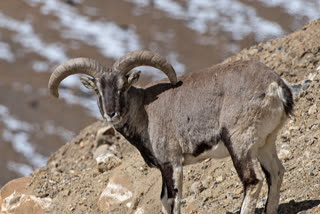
(114, 119)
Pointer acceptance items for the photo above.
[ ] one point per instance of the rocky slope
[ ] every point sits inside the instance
(99, 172)
(36, 36)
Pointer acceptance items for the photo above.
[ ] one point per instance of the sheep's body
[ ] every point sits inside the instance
(232, 109)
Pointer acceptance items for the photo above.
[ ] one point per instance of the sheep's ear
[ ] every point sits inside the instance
(88, 82)
(133, 77)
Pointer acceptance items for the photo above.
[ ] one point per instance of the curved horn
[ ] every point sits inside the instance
(138, 58)
(73, 66)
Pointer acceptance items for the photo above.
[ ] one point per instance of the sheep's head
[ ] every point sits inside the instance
(110, 85)
(111, 90)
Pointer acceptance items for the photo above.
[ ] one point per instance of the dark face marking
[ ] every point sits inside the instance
(111, 92)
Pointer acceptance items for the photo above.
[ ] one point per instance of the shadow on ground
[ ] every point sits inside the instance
(291, 207)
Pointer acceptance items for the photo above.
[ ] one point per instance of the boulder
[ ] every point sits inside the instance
(118, 190)
(14, 200)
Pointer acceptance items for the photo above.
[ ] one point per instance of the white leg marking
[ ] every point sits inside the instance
(250, 200)
(178, 182)
(164, 201)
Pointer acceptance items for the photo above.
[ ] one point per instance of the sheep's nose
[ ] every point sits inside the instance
(111, 114)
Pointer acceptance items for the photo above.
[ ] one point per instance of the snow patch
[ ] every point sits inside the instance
(6, 53)
(300, 8)
(112, 40)
(28, 39)
(50, 128)
(21, 144)
(89, 103)
(12, 123)
(18, 132)
(211, 16)
(39, 66)
(20, 168)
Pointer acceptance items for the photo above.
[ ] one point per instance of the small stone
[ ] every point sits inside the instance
(196, 187)
(107, 162)
(239, 191)
(219, 179)
(101, 150)
(313, 109)
(139, 211)
(284, 154)
(82, 145)
(183, 202)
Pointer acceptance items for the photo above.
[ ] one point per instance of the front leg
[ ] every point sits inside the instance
(171, 194)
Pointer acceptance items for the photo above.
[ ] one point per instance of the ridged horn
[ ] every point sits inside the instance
(139, 58)
(87, 66)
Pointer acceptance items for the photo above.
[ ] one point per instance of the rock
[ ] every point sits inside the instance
(261, 203)
(107, 162)
(139, 211)
(101, 150)
(13, 198)
(18, 203)
(296, 89)
(197, 187)
(83, 144)
(219, 179)
(17, 185)
(313, 109)
(118, 190)
(284, 154)
(239, 191)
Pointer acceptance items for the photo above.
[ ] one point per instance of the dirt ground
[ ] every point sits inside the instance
(72, 179)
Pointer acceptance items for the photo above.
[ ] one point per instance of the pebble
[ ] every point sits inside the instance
(197, 187)
(101, 150)
(239, 191)
(219, 179)
(313, 109)
(107, 162)
(284, 154)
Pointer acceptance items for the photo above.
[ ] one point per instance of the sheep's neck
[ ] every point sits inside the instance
(135, 124)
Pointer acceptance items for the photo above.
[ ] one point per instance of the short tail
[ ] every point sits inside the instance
(283, 91)
(287, 97)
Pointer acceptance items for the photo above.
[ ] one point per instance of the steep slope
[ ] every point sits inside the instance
(73, 182)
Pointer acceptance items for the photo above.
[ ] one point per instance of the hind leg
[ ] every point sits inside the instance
(273, 170)
(248, 171)
(244, 156)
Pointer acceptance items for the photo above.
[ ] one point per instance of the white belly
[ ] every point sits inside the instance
(218, 151)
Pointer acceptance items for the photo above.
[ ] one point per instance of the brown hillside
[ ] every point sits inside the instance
(72, 182)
